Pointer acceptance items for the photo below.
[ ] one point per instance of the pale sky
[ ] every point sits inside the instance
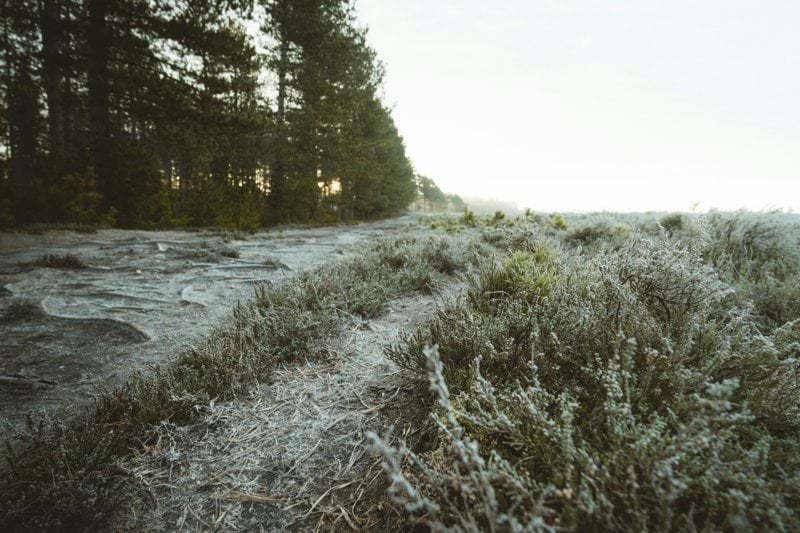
(574, 105)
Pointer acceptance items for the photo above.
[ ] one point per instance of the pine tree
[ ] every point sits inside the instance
(154, 112)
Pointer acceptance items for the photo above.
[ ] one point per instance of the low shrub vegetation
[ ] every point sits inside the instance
(63, 262)
(646, 382)
(559, 222)
(208, 253)
(227, 251)
(21, 312)
(469, 219)
(598, 372)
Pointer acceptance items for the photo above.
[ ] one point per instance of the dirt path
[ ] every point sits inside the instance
(294, 457)
(143, 296)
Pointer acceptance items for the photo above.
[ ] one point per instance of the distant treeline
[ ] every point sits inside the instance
(204, 112)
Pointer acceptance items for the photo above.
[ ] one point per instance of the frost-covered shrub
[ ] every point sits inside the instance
(503, 338)
(229, 252)
(526, 275)
(672, 223)
(760, 255)
(558, 222)
(495, 237)
(439, 255)
(636, 392)
(66, 261)
(776, 302)
(529, 458)
(589, 234)
(469, 219)
(387, 267)
(449, 224)
(753, 245)
(534, 239)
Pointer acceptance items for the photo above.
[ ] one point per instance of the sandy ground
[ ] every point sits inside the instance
(143, 297)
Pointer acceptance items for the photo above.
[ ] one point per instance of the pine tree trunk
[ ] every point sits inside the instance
(22, 101)
(49, 11)
(278, 178)
(6, 18)
(97, 80)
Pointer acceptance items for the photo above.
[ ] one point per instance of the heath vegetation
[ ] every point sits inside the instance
(596, 372)
(608, 379)
(66, 261)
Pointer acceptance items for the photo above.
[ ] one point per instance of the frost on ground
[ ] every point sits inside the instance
(81, 472)
(140, 297)
(295, 455)
(611, 373)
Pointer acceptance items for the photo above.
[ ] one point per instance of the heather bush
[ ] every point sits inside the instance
(753, 246)
(449, 224)
(672, 223)
(775, 301)
(558, 222)
(589, 234)
(495, 237)
(631, 388)
(469, 219)
(229, 252)
(64, 262)
(529, 458)
(760, 255)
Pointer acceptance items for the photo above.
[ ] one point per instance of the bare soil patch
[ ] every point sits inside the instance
(43, 356)
(141, 297)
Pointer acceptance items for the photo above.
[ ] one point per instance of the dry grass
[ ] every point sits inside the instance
(22, 312)
(66, 261)
(64, 472)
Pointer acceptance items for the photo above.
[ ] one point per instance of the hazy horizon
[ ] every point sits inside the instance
(590, 106)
